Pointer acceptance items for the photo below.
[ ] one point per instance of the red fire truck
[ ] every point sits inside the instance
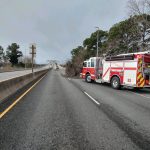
(131, 70)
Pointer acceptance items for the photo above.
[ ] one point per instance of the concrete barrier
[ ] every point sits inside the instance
(9, 87)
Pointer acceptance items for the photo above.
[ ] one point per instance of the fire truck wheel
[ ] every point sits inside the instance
(115, 83)
(88, 78)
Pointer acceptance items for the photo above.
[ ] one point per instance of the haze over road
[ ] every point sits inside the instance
(60, 113)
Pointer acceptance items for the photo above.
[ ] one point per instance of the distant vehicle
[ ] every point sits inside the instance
(132, 69)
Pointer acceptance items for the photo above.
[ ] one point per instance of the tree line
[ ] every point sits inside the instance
(127, 36)
(11, 54)
(14, 56)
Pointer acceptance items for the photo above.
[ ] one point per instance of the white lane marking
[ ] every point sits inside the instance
(140, 94)
(92, 98)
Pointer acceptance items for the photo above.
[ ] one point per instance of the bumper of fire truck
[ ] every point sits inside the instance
(82, 75)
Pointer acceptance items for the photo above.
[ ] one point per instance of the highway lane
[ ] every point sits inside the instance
(8, 75)
(56, 114)
(130, 107)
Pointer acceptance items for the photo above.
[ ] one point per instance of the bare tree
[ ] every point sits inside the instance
(148, 5)
(1, 53)
(140, 11)
(138, 7)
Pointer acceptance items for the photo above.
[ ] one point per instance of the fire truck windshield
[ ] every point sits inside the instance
(85, 64)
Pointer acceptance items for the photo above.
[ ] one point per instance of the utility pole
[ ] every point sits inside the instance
(25, 60)
(33, 52)
(97, 40)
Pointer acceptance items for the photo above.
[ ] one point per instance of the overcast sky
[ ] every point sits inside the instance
(56, 26)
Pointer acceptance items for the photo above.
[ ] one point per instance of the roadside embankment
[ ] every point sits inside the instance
(10, 87)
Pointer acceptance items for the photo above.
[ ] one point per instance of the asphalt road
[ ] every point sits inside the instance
(8, 75)
(69, 114)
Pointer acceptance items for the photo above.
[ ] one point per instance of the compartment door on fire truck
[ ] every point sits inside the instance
(130, 73)
(106, 71)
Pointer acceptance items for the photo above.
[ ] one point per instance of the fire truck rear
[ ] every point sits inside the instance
(131, 70)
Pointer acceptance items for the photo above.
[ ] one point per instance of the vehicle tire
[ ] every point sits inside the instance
(88, 78)
(115, 83)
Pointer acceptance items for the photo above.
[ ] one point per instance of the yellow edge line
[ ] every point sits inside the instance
(17, 100)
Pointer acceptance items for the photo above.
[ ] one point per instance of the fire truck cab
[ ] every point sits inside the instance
(132, 70)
